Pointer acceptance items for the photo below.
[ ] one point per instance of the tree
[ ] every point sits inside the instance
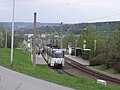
(70, 37)
(90, 34)
(2, 37)
(113, 57)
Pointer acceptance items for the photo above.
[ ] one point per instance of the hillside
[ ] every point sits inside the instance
(27, 27)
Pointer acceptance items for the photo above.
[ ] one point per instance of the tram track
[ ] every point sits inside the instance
(92, 72)
(75, 69)
(60, 71)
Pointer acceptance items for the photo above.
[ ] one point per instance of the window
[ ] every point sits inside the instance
(57, 54)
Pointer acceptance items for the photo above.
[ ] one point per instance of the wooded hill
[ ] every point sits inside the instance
(27, 27)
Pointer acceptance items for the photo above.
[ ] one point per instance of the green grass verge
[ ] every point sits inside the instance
(22, 63)
(108, 70)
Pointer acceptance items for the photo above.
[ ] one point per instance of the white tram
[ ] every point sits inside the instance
(54, 56)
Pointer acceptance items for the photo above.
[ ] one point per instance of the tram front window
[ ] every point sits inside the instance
(58, 55)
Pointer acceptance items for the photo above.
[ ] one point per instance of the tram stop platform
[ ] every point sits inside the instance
(40, 60)
(78, 60)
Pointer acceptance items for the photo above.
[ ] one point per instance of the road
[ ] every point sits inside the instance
(11, 80)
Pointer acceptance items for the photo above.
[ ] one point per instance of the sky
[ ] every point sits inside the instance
(56, 11)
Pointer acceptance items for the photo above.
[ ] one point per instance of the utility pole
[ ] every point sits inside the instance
(34, 41)
(6, 40)
(31, 48)
(94, 45)
(12, 37)
(61, 35)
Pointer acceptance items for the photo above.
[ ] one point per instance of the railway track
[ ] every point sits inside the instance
(60, 71)
(85, 70)
(93, 72)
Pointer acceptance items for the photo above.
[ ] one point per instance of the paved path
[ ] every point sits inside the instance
(11, 80)
(40, 60)
(77, 59)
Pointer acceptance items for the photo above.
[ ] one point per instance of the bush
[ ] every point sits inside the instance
(117, 66)
(111, 63)
(86, 55)
(98, 60)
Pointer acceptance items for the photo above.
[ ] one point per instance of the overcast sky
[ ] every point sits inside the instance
(68, 11)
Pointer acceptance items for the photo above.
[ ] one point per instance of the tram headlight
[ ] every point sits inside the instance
(59, 62)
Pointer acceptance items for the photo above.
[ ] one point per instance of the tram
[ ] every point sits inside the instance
(54, 56)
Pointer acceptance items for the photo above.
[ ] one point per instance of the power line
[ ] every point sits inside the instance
(69, 29)
(54, 29)
(102, 17)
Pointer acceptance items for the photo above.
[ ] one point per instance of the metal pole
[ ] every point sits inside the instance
(31, 48)
(94, 45)
(75, 45)
(6, 40)
(34, 41)
(61, 36)
(84, 47)
(12, 37)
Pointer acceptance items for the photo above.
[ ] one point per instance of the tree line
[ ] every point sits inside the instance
(17, 39)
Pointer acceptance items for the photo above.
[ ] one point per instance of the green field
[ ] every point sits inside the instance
(22, 63)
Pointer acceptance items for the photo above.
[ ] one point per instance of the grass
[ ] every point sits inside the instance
(22, 63)
(108, 70)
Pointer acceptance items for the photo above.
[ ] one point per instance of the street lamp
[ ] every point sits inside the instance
(12, 37)
(84, 47)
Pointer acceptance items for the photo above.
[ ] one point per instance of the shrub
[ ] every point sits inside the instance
(117, 66)
(111, 63)
(98, 60)
(86, 55)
